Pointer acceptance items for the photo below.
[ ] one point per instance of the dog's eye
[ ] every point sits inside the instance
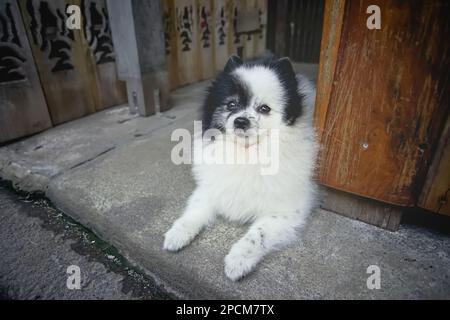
(231, 105)
(264, 109)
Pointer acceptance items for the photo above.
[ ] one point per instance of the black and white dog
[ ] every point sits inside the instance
(247, 103)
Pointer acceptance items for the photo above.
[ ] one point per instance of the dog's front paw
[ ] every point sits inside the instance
(240, 262)
(177, 238)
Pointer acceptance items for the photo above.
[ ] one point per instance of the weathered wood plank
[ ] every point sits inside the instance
(22, 103)
(387, 95)
(171, 43)
(435, 194)
(187, 41)
(205, 45)
(254, 44)
(261, 39)
(201, 35)
(105, 86)
(369, 211)
(331, 37)
(59, 58)
(223, 32)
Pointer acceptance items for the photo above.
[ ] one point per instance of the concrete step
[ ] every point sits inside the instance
(124, 187)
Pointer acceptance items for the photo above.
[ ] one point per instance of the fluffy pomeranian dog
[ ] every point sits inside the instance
(247, 104)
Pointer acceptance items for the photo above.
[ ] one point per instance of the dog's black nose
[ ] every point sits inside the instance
(241, 123)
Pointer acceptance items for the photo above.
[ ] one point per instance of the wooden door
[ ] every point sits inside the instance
(383, 96)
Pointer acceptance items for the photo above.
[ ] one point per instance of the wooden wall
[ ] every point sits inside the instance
(383, 97)
(435, 194)
(76, 67)
(201, 35)
(295, 29)
(22, 104)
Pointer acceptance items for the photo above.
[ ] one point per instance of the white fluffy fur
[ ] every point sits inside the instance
(277, 205)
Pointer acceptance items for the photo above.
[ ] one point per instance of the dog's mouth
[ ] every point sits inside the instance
(247, 137)
(243, 134)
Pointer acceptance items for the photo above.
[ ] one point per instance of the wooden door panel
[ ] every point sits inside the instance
(76, 67)
(388, 97)
(22, 104)
(99, 55)
(58, 59)
(200, 36)
(436, 192)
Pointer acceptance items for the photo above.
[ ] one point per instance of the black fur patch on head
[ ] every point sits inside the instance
(226, 86)
(222, 89)
(294, 103)
(286, 74)
(233, 63)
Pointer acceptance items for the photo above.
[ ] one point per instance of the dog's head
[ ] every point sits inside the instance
(249, 98)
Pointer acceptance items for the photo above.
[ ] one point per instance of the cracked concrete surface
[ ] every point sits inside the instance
(131, 194)
(31, 163)
(38, 244)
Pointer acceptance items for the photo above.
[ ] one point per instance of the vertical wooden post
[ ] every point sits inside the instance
(138, 36)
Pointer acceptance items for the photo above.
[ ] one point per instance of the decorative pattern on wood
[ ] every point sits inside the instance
(201, 35)
(96, 30)
(76, 67)
(388, 100)
(50, 35)
(106, 89)
(11, 49)
(22, 103)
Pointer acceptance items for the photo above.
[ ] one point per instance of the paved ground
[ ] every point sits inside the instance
(113, 173)
(38, 243)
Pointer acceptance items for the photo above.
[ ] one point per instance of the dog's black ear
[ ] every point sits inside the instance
(294, 103)
(232, 63)
(285, 67)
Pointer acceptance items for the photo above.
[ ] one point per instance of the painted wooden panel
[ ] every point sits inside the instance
(102, 75)
(229, 36)
(436, 192)
(252, 44)
(58, 55)
(223, 29)
(186, 21)
(388, 94)
(260, 42)
(201, 35)
(205, 29)
(76, 67)
(170, 40)
(22, 104)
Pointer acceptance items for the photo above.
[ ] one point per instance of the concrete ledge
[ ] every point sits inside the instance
(31, 163)
(113, 173)
(132, 197)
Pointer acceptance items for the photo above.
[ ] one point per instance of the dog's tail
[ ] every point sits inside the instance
(307, 91)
